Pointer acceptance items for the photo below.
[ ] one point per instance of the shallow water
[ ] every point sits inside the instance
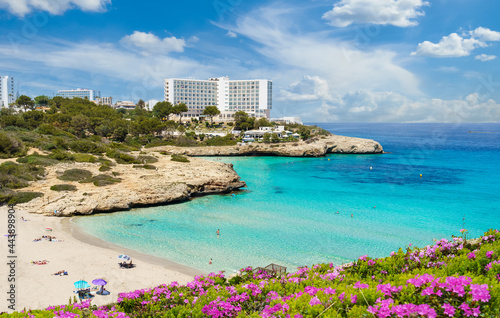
(288, 213)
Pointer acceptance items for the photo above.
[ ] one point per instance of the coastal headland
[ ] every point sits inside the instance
(315, 147)
(168, 182)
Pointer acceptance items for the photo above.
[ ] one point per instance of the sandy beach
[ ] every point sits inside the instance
(82, 256)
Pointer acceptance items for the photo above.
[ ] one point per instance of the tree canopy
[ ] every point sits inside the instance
(26, 102)
(211, 111)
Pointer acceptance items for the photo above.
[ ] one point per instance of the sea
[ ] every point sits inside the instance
(433, 181)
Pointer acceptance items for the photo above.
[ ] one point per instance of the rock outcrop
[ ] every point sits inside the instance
(315, 147)
(171, 182)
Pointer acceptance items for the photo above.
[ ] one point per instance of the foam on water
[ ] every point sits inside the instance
(287, 215)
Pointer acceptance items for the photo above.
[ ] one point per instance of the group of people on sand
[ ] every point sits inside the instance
(44, 262)
(47, 237)
(61, 273)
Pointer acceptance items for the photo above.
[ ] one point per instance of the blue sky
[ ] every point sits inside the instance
(330, 61)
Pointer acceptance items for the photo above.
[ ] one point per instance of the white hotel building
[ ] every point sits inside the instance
(89, 94)
(251, 96)
(7, 96)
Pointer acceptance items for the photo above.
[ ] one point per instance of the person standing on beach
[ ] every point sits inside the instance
(210, 262)
(218, 233)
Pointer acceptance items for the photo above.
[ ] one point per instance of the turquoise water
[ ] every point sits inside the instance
(288, 213)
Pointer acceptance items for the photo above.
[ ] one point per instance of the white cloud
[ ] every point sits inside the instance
(455, 45)
(341, 65)
(149, 43)
(485, 57)
(23, 7)
(401, 13)
(485, 34)
(382, 107)
(101, 61)
(231, 34)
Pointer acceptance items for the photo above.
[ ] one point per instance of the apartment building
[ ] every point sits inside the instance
(7, 95)
(251, 96)
(89, 94)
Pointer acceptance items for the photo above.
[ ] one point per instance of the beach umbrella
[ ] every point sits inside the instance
(100, 282)
(124, 257)
(81, 284)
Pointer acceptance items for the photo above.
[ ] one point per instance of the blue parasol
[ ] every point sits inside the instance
(81, 284)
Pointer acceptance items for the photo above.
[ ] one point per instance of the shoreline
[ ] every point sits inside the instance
(83, 257)
(77, 233)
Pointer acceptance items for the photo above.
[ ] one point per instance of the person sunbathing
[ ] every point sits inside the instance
(61, 273)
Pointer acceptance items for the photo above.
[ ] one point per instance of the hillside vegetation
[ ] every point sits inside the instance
(457, 278)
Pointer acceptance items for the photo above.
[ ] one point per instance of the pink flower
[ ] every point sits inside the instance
(329, 291)
(371, 262)
(363, 258)
(354, 299)
(314, 301)
(361, 285)
(471, 255)
(449, 310)
(342, 297)
(480, 292)
(393, 253)
(489, 254)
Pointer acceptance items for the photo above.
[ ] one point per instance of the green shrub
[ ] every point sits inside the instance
(121, 157)
(101, 180)
(63, 187)
(12, 197)
(220, 141)
(150, 167)
(16, 176)
(83, 157)
(86, 146)
(37, 159)
(104, 168)
(147, 159)
(75, 175)
(47, 129)
(179, 158)
(61, 155)
(11, 146)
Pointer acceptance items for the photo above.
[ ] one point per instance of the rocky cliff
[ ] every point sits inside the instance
(171, 182)
(315, 147)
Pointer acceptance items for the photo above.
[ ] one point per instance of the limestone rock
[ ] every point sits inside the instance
(315, 147)
(172, 182)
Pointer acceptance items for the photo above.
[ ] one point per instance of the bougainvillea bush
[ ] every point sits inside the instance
(457, 278)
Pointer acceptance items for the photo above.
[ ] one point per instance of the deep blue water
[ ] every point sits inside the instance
(288, 213)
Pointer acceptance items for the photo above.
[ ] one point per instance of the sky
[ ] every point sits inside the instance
(403, 61)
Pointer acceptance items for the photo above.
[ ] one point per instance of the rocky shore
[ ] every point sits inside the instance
(315, 147)
(170, 182)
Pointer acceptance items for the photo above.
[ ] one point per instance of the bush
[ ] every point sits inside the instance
(16, 176)
(11, 146)
(121, 157)
(104, 168)
(220, 141)
(83, 157)
(12, 197)
(147, 159)
(36, 159)
(47, 129)
(101, 180)
(149, 167)
(86, 146)
(61, 155)
(179, 158)
(63, 187)
(75, 175)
